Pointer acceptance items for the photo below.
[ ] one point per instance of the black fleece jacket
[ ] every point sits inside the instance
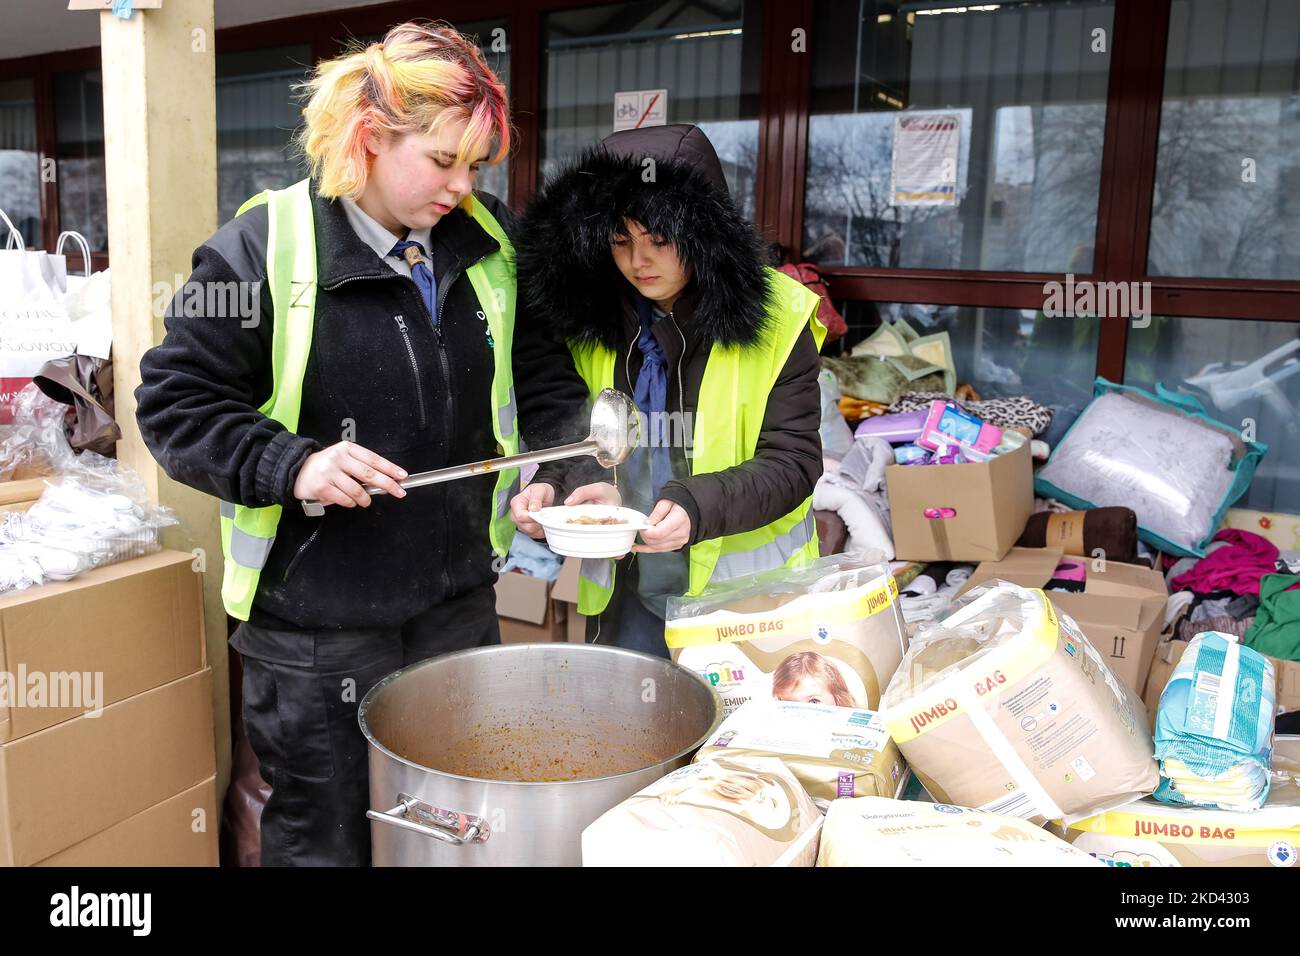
(379, 374)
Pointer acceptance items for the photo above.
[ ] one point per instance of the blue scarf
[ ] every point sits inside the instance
(651, 395)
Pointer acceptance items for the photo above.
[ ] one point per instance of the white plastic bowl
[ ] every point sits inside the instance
(590, 540)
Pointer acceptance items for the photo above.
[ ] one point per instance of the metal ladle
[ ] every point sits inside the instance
(615, 430)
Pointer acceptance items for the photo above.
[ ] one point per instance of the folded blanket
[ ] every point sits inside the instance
(1214, 726)
(1111, 530)
(883, 380)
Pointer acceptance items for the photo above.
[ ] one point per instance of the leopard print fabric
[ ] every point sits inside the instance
(1018, 412)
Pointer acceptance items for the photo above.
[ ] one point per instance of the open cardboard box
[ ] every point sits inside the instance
(565, 591)
(992, 502)
(1121, 610)
(525, 612)
(126, 627)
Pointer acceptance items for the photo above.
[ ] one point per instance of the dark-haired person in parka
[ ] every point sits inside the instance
(637, 257)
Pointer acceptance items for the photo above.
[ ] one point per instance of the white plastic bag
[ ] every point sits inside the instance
(36, 444)
(96, 514)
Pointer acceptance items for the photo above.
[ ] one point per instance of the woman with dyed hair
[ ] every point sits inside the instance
(386, 343)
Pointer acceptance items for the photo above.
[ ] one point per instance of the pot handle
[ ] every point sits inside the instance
(449, 826)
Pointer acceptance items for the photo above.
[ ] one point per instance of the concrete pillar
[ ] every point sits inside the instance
(160, 151)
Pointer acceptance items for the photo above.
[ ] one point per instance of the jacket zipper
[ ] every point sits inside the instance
(415, 368)
(448, 406)
(298, 557)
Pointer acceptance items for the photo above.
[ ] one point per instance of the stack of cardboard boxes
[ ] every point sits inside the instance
(106, 735)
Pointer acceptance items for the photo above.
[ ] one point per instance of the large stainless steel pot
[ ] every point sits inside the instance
(619, 718)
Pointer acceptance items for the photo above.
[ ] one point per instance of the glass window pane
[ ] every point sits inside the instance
(493, 179)
(1002, 352)
(956, 137)
(1247, 374)
(20, 171)
(706, 55)
(79, 130)
(1229, 141)
(257, 113)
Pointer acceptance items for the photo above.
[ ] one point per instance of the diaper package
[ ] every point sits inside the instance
(729, 811)
(833, 751)
(1149, 833)
(828, 633)
(1214, 725)
(1004, 706)
(876, 831)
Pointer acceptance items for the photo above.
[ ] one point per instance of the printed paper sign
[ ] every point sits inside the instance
(926, 150)
(634, 109)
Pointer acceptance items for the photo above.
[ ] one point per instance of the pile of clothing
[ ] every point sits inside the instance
(1243, 587)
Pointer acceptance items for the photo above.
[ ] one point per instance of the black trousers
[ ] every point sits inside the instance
(302, 690)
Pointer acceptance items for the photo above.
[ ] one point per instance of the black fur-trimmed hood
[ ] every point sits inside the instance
(567, 275)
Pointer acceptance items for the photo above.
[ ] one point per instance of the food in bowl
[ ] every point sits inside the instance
(590, 531)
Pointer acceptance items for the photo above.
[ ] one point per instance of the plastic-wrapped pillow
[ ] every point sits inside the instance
(1161, 455)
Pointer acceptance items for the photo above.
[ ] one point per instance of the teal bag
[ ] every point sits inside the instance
(1242, 467)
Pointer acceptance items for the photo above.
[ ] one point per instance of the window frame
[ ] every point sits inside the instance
(1134, 100)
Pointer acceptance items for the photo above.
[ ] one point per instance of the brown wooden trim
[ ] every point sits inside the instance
(1112, 350)
(46, 148)
(991, 290)
(797, 128)
(766, 212)
(59, 61)
(1136, 87)
(1134, 91)
(525, 105)
(1265, 305)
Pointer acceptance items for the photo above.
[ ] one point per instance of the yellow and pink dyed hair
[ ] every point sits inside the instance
(420, 77)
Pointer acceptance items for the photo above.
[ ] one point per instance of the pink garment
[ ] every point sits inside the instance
(1236, 567)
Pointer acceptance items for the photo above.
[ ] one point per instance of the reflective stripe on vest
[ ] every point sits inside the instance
(728, 418)
(248, 534)
(773, 554)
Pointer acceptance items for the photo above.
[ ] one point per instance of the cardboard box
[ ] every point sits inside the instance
(179, 831)
(66, 783)
(1121, 610)
(565, 591)
(139, 624)
(1169, 651)
(992, 500)
(21, 494)
(525, 611)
